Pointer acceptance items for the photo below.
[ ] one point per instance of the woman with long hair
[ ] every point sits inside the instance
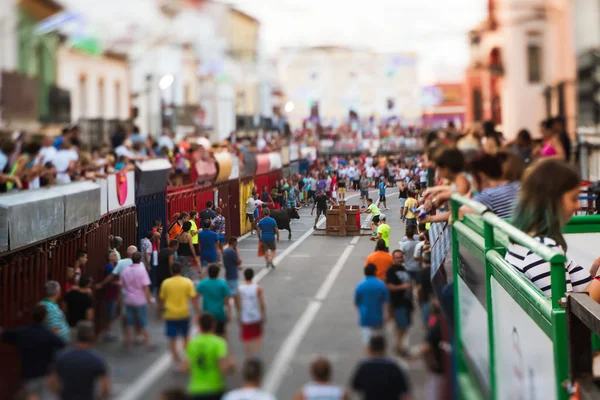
(552, 146)
(186, 252)
(543, 209)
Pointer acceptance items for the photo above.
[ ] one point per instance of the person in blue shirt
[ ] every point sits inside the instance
(215, 294)
(267, 233)
(370, 298)
(208, 241)
(382, 188)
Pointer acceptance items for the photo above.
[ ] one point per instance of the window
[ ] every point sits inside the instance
(82, 96)
(117, 100)
(100, 98)
(534, 57)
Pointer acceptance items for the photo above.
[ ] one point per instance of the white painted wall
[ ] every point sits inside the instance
(8, 39)
(87, 103)
(586, 17)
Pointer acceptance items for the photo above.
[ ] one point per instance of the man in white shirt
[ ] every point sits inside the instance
(64, 161)
(251, 204)
(253, 374)
(48, 151)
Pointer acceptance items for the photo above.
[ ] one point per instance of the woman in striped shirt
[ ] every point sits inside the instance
(549, 197)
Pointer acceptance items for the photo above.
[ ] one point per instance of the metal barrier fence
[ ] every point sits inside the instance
(511, 340)
(150, 208)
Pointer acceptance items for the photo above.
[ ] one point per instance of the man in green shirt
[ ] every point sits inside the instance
(208, 362)
(383, 231)
(374, 211)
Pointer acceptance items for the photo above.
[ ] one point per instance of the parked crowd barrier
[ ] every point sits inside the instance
(511, 339)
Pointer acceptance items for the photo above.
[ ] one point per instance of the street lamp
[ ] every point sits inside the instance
(165, 82)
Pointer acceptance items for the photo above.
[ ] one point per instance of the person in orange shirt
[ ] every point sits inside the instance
(381, 258)
(175, 229)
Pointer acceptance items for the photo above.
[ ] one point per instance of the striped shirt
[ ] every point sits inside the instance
(55, 319)
(538, 271)
(501, 199)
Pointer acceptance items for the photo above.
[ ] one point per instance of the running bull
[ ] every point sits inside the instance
(283, 217)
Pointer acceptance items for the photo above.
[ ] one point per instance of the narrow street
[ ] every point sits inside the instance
(310, 311)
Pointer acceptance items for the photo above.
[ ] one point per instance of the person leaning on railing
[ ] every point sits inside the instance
(549, 197)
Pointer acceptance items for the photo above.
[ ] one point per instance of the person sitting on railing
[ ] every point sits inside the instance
(543, 209)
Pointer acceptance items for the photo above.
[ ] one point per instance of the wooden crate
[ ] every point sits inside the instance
(341, 220)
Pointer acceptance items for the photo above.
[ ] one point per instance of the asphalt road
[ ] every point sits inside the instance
(309, 299)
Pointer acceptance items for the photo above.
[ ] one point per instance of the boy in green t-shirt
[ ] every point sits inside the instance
(374, 211)
(383, 231)
(208, 361)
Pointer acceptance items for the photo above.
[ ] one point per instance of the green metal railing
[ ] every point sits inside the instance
(511, 339)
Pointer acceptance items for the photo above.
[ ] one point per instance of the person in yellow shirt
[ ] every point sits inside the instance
(194, 230)
(409, 217)
(175, 295)
(383, 231)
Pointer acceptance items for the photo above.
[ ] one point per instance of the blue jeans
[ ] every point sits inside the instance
(425, 310)
(233, 286)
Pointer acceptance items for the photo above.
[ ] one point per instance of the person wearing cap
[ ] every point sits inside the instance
(383, 231)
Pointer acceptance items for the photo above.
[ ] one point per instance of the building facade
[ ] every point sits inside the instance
(99, 88)
(330, 82)
(522, 68)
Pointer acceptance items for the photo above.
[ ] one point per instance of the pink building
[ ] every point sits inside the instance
(523, 66)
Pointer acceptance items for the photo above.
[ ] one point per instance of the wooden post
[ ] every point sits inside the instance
(342, 206)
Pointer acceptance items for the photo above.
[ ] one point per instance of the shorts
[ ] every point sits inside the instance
(423, 185)
(186, 263)
(341, 190)
(221, 238)
(411, 221)
(402, 202)
(111, 309)
(220, 329)
(375, 219)
(367, 332)
(177, 328)
(251, 331)
(269, 246)
(322, 211)
(137, 313)
(382, 198)
(402, 317)
(233, 286)
(311, 194)
(250, 217)
(364, 193)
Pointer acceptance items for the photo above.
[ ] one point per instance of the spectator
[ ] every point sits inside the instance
(424, 287)
(55, 319)
(208, 212)
(381, 258)
(74, 272)
(250, 390)
(232, 261)
(110, 296)
(175, 295)
(136, 285)
(219, 226)
(174, 394)
(408, 248)
(216, 296)
(79, 369)
(115, 245)
(36, 346)
(321, 386)
(146, 250)
(378, 377)
(399, 285)
(432, 355)
(186, 254)
(250, 304)
(208, 245)
(79, 303)
(166, 258)
(370, 297)
(176, 227)
(208, 361)
(267, 234)
(194, 231)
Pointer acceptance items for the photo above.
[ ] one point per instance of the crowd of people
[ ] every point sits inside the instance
(201, 268)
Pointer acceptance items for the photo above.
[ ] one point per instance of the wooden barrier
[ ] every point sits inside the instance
(340, 220)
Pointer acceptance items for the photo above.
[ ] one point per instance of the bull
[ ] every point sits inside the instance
(283, 217)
